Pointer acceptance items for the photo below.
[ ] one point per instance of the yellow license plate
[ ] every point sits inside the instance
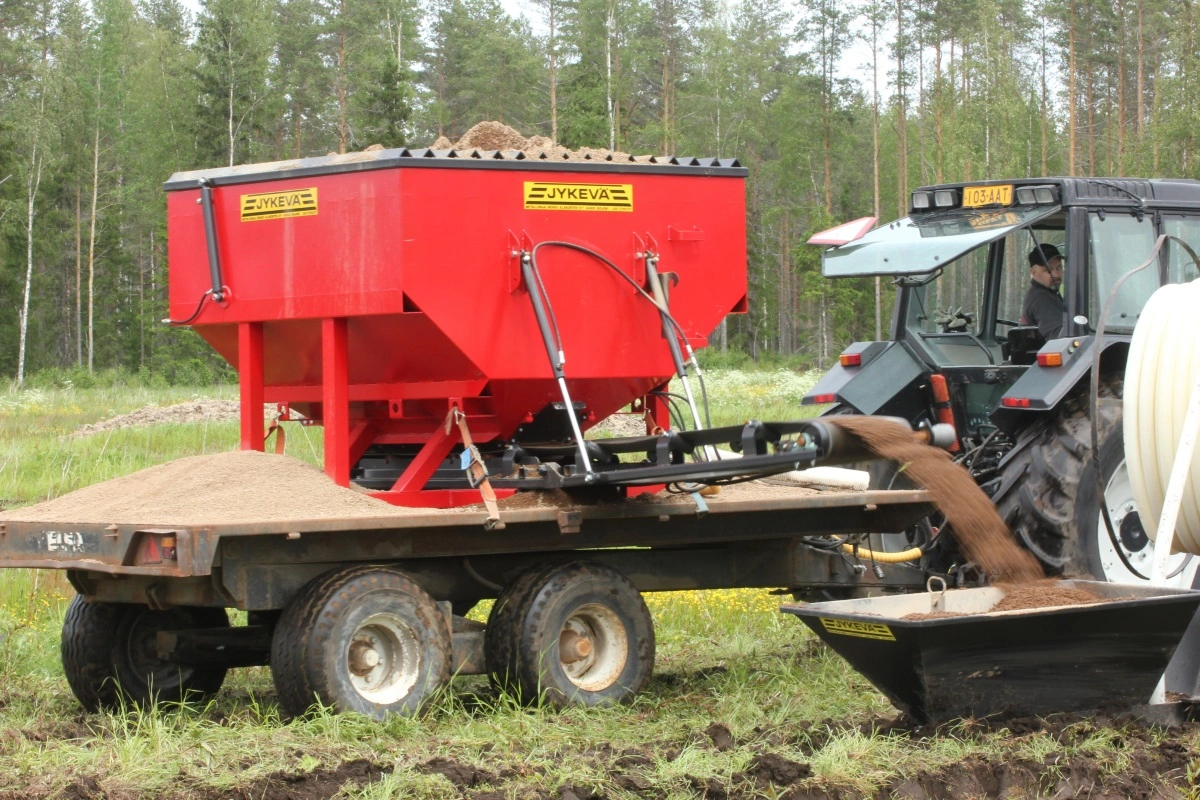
(975, 196)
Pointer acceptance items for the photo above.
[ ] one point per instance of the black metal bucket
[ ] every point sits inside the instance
(1107, 656)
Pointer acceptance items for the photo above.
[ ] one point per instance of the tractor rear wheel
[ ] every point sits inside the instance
(364, 639)
(110, 655)
(1047, 495)
(571, 634)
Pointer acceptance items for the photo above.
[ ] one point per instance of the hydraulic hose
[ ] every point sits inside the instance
(668, 320)
(1162, 369)
(912, 554)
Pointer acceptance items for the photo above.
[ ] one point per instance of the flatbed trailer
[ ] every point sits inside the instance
(398, 299)
(163, 589)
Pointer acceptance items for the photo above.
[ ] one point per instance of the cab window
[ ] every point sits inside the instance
(959, 290)
(1116, 244)
(964, 280)
(1180, 266)
(1014, 277)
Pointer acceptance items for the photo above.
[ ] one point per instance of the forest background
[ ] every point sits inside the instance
(101, 101)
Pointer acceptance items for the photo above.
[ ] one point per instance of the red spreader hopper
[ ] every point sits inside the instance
(387, 295)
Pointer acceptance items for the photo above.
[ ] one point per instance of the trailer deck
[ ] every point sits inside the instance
(258, 565)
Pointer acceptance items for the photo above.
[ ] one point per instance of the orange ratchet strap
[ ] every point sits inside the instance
(472, 464)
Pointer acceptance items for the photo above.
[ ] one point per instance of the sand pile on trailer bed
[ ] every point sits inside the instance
(242, 486)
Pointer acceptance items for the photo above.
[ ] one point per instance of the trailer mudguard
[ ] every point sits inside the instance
(884, 364)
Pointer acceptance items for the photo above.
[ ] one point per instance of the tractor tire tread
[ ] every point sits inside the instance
(290, 643)
(1039, 488)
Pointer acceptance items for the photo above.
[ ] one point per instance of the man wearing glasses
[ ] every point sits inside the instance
(1043, 305)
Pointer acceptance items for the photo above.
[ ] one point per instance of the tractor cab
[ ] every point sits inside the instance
(1020, 406)
(961, 263)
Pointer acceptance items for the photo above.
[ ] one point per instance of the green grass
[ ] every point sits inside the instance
(722, 657)
(736, 396)
(40, 459)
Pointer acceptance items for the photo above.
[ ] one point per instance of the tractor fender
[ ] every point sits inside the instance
(885, 382)
(1042, 389)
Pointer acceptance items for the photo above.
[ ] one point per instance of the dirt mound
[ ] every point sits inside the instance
(242, 486)
(619, 425)
(492, 135)
(190, 411)
(1043, 594)
(718, 733)
(978, 529)
(772, 769)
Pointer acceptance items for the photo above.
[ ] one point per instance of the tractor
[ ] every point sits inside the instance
(1022, 407)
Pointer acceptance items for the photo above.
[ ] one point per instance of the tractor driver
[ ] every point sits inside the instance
(1044, 306)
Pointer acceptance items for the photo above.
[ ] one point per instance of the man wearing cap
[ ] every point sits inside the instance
(1043, 305)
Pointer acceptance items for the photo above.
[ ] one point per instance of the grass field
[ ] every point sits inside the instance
(744, 702)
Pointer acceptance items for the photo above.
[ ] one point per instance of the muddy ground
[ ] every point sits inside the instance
(1153, 770)
(1156, 767)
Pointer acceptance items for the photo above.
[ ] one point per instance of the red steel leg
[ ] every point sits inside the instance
(409, 489)
(362, 436)
(335, 400)
(250, 384)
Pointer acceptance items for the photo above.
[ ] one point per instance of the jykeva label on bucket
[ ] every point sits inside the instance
(863, 630)
(579, 196)
(275, 205)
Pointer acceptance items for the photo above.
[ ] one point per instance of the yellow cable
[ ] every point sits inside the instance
(885, 558)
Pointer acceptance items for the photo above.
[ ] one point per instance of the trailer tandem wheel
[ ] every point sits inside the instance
(576, 633)
(364, 639)
(109, 654)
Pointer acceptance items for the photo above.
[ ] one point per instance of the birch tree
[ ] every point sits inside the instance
(33, 181)
(234, 42)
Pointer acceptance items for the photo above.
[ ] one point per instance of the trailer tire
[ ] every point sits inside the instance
(502, 635)
(364, 639)
(109, 658)
(571, 634)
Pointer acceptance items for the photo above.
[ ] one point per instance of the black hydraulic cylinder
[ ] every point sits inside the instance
(210, 238)
(539, 312)
(660, 297)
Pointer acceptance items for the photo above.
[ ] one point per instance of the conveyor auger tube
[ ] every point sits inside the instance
(838, 446)
(766, 448)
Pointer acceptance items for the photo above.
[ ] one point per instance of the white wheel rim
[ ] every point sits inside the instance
(384, 659)
(1137, 547)
(593, 647)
